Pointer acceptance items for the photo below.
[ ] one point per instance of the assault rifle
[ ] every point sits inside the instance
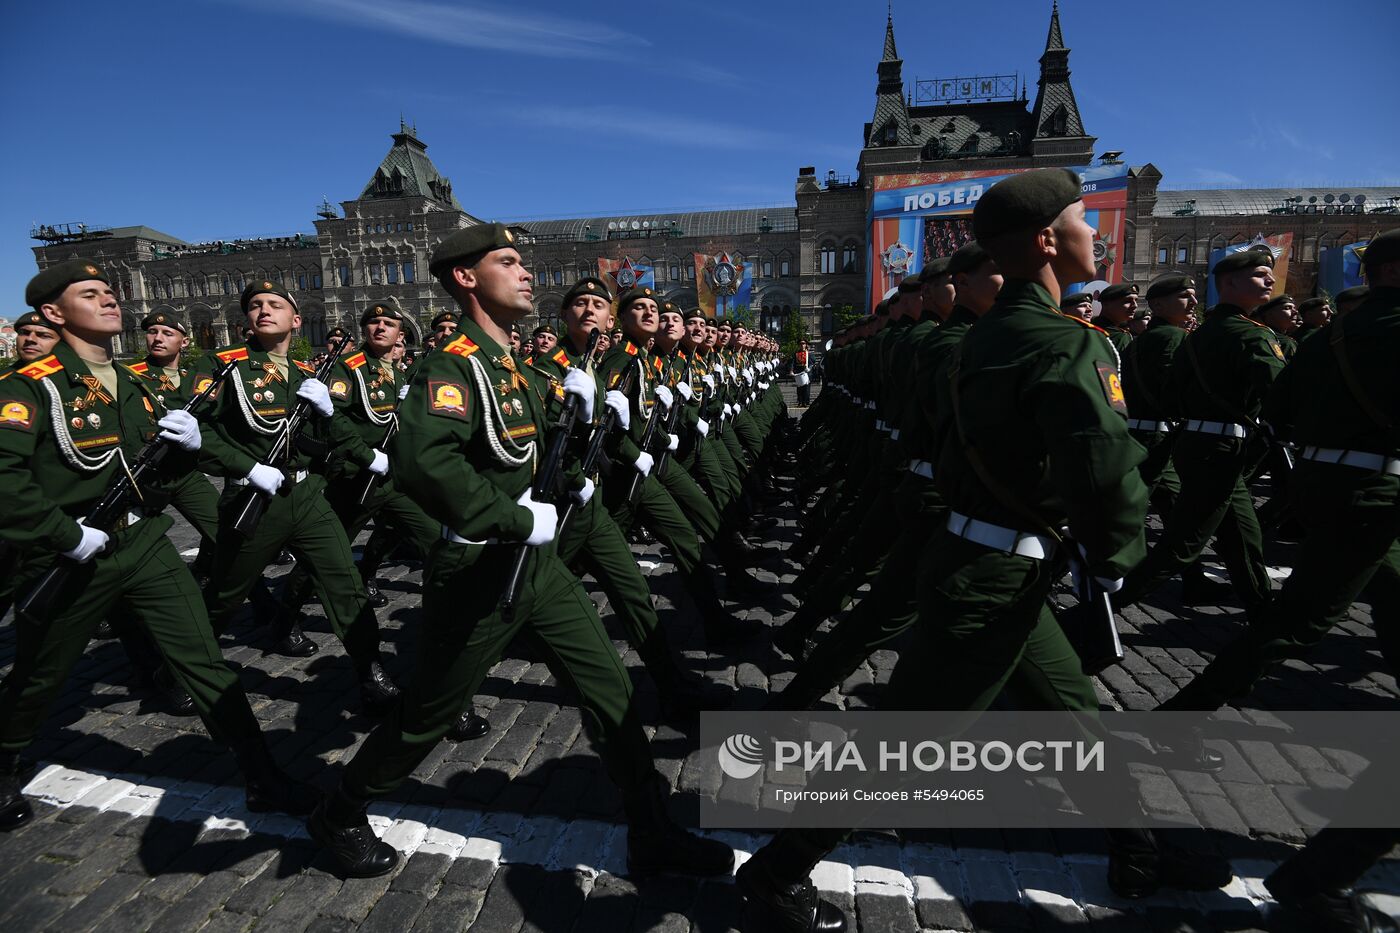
(595, 443)
(250, 505)
(370, 480)
(545, 480)
(648, 435)
(112, 506)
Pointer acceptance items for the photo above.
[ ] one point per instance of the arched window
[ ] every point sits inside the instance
(850, 259)
(826, 259)
(1164, 251)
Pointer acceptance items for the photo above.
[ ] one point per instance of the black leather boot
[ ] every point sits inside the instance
(1140, 862)
(773, 906)
(378, 693)
(656, 845)
(177, 701)
(376, 599)
(339, 824)
(267, 788)
(468, 726)
(290, 641)
(15, 810)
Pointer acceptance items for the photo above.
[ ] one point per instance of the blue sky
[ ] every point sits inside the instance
(222, 118)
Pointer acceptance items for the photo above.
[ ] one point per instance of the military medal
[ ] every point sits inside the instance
(95, 420)
(503, 387)
(519, 408)
(78, 404)
(77, 423)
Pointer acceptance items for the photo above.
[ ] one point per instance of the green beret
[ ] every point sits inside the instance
(934, 268)
(1121, 290)
(1023, 202)
(723, 322)
(161, 319)
(265, 287)
(441, 317)
(967, 258)
(740, 325)
(883, 308)
(1272, 303)
(1169, 284)
(1075, 300)
(380, 310)
(634, 294)
(35, 319)
(336, 333)
(543, 329)
(694, 313)
(669, 307)
(1382, 249)
(912, 283)
(1355, 293)
(50, 283)
(1251, 258)
(1312, 303)
(589, 285)
(468, 245)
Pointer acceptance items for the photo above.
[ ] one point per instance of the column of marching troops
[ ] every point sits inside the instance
(973, 435)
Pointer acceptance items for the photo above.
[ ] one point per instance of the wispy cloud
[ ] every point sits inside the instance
(1273, 136)
(522, 30)
(1214, 176)
(675, 131)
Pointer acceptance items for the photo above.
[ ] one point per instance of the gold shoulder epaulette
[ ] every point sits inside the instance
(462, 345)
(41, 368)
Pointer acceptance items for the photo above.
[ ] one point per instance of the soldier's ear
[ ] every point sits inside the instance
(53, 312)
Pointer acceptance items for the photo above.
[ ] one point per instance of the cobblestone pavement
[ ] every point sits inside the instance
(140, 821)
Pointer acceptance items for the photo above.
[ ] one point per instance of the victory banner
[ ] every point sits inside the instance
(721, 284)
(1279, 244)
(622, 274)
(1339, 267)
(918, 216)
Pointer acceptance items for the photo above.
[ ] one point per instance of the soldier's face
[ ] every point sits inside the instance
(87, 309)
(672, 327)
(938, 294)
(978, 289)
(271, 316)
(34, 342)
(585, 314)
(1119, 309)
(501, 284)
(544, 343)
(515, 341)
(382, 334)
(1074, 252)
(695, 332)
(1248, 288)
(163, 342)
(445, 329)
(711, 336)
(1317, 316)
(1176, 309)
(641, 319)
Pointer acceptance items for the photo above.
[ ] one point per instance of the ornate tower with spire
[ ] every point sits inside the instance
(1058, 128)
(890, 125)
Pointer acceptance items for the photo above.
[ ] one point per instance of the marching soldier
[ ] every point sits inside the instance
(1280, 315)
(1028, 387)
(1315, 312)
(470, 432)
(1080, 305)
(1117, 305)
(251, 414)
(1219, 379)
(35, 337)
(443, 325)
(542, 342)
(54, 470)
(1349, 298)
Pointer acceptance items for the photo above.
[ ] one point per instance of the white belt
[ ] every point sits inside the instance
(449, 535)
(870, 405)
(894, 434)
(1156, 427)
(296, 477)
(1006, 540)
(881, 426)
(1354, 458)
(858, 400)
(1223, 428)
(922, 468)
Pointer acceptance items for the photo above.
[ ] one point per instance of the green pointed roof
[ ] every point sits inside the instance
(407, 172)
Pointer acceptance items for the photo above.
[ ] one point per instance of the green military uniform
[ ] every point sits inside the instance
(250, 414)
(64, 434)
(1339, 401)
(1219, 378)
(1147, 386)
(1118, 334)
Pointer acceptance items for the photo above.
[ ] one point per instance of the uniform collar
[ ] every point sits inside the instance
(961, 314)
(1023, 292)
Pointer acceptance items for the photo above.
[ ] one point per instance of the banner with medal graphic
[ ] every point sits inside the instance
(721, 284)
(623, 274)
(918, 216)
(1339, 268)
(1280, 244)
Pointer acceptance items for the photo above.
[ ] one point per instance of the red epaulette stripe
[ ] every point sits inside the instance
(304, 366)
(561, 358)
(630, 348)
(355, 360)
(657, 363)
(461, 345)
(233, 353)
(139, 368)
(41, 368)
(1080, 320)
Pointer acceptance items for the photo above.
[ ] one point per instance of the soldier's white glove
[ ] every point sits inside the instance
(618, 403)
(577, 382)
(728, 410)
(380, 464)
(687, 393)
(748, 375)
(763, 383)
(672, 443)
(581, 496)
(1110, 586)
(403, 391)
(92, 543)
(545, 517)
(703, 427)
(644, 463)
(315, 392)
(709, 381)
(663, 395)
(181, 429)
(265, 479)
